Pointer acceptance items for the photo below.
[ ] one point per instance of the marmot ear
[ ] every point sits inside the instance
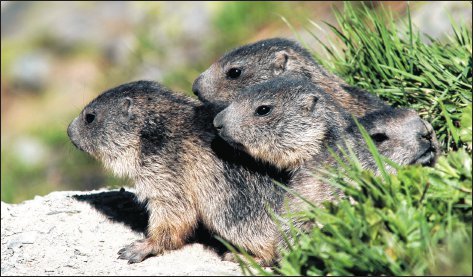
(310, 103)
(280, 62)
(126, 106)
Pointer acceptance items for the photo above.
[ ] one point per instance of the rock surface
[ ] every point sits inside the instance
(80, 233)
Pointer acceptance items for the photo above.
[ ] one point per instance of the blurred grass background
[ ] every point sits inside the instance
(57, 56)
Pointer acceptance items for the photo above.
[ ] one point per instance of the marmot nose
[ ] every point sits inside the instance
(195, 87)
(196, 92)
(218, 124)
(426, 131)
(427, 138)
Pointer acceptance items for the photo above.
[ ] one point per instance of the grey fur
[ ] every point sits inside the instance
(187, 175)
(303, 124)
(278, 57)
(267, 59)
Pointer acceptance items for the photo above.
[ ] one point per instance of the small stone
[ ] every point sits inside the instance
(13, 244)
(7, 253)
(80, 252)
(26, 237)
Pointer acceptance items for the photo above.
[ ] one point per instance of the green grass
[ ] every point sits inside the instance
(418, 221)
(394, 63)
(414, 223)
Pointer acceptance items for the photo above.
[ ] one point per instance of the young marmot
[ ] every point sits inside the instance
(267, 59)
(166, 143)
(291, 123)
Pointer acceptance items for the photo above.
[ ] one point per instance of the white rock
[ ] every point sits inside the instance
(80, 240)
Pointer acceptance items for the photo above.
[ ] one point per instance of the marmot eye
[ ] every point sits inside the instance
(379, 137)
(89, 118)
(263, 110)
(234, 73)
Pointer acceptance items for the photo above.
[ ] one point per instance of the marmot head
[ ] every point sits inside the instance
(249, 65)
(402, 136)
(115, 126)
(284, 121)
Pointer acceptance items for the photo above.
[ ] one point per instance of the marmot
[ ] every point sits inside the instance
(167, 144)
(291, 123)
(263, 60)
(267, 59)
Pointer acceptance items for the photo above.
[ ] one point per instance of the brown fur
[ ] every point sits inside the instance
(301, 117)
(271, 58)
(330, 84)
(267, 59)
(187, 176)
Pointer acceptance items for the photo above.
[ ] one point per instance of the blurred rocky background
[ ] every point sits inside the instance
(57, 56)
